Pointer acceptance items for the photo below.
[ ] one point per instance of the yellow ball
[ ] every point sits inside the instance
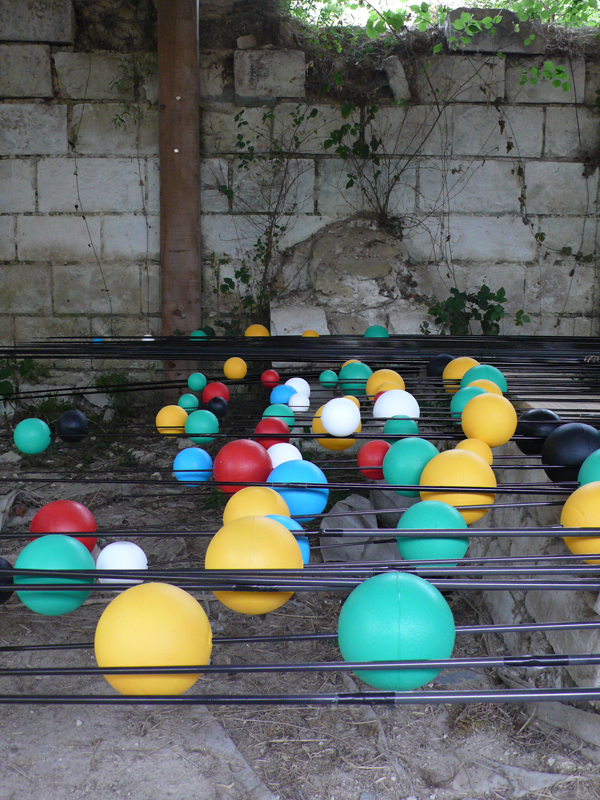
(582, 510)
(490, 417)
(454, 371)
(254, 501)
(350, 361)
(235, 368)
(387, 386)
(478, 447)
(253, 543)
(152, 625)
(256, 330)
(459, 468)
(383, 376)
(310, 333)
(355, 400)
(332, 444)
(170, 420)
(487, 386)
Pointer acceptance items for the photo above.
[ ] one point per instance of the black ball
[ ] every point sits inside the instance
(5, 594)
(437, 365)
(72, 426)
(218, 406)
(538, 423)
(566, 448)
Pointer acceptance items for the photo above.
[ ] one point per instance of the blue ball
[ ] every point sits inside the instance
(294, 526)
(303, 502)
(193, 466)
(281, 393)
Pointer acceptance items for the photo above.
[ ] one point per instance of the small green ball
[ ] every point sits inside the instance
(282, 411)
(189, 402)
(429, 515)
(32, 436)
(199, 424)
(328, 379)
(353, 378)
(486, 371)
(405, 461)
(589, 471)
(196, 382)
(399, 425)
(461, 398)
(198, 334)
(376, 332)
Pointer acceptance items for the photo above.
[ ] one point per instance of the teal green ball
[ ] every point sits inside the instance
(189, 402)
(430, 515)
(487, 372)
(197, 382)
(54, 552)
(200, 426)
(400, 425)
(198, 334)
(461, 398)
(589, 471)
(396, 616)
(405, 461)
(32, 436)
(353, 378)
(282, 411)
(328, 379)
(376, 332)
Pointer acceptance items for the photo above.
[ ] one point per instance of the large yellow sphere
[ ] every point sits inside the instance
(170, 420)
(309, 333)
(235, 368)
(478, 447)
(254, 501)
(331, 444)
(459, 468)
(383, 376)
(486, 385)
(256, 330)
(454, 370)
(490, 417)
(152, 625)
(350, 361)
(253, 543)
(582, 510)
(355, 400)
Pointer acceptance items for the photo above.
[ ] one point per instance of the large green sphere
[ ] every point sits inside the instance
(461, 398)
(32, 436)
(282, 411)
(405, 461)
(328, 379)
(376, 332)
(400, 425)
(200, 425)
(486, 371)
(196, 382)
(189, 402)
(429, 515)
(396, 616)
(54, 552)
(353, 378)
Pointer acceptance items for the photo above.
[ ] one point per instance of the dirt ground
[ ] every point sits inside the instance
(429, 752)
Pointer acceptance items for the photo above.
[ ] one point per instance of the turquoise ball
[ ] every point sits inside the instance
(461, 398)
(353, 378)
(282, 412)
(405, 461)
(399, 425)
(197, 382)
(32, 436)
(429, 515)
(189, 402)
(198, 334)
(487, 372)
(376, 332)
(328, 379)
(589, 471)
(200, 425)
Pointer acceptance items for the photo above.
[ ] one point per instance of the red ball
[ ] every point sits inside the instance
(272, 425)
(243, 461)
(270, 378)
(216, 389)
(372, 454)
(378, 395)
(65, 516)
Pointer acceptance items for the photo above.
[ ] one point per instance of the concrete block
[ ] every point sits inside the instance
(25, 71)
(269, 73)
(27, 129)
(486, 132)
(49, 21)
(130, 237)
(406, 321)
(294, 320)
(459, 79)
(227, 235)
(150, 280)
(394, 71)
(592, 83)
(152, 186)
(426, 242)
(57, 238)
(7, 238)
(469, 185)
(510, 277)
(220, 129)
(559, 188)
(543, 91)
(409, 130)
(7, 331)
(214, 174)
(554, 325)
(77, 286)
(212, 80)
(17, 182)
(94, 76)
(562, 286)
(312, 132)
(25, 289)
(492, 239)
(31, 328)
(578, 233)
(288, 185)
(571, 133)
(508, 36)
(105, 184)
(132, 325)
(97, 130)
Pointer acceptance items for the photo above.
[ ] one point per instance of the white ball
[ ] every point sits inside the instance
(340, 416)
(396, 401)
(121, 555)
(300, 385)
(299, 402)
(282, 452)
(148, 338)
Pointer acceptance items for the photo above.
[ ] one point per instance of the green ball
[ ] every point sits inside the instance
(353, 378)
(196, 382)
(32, 436)
(328, 379)
(487, 372)
(399, 425)
(54, 552)
(429, 515)
(589, 471)
(189, 402)
(461, 398)
(405, 461)
(199, 424)
(198, 334)
(396, 616)
(376, 332)
(282, 411)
